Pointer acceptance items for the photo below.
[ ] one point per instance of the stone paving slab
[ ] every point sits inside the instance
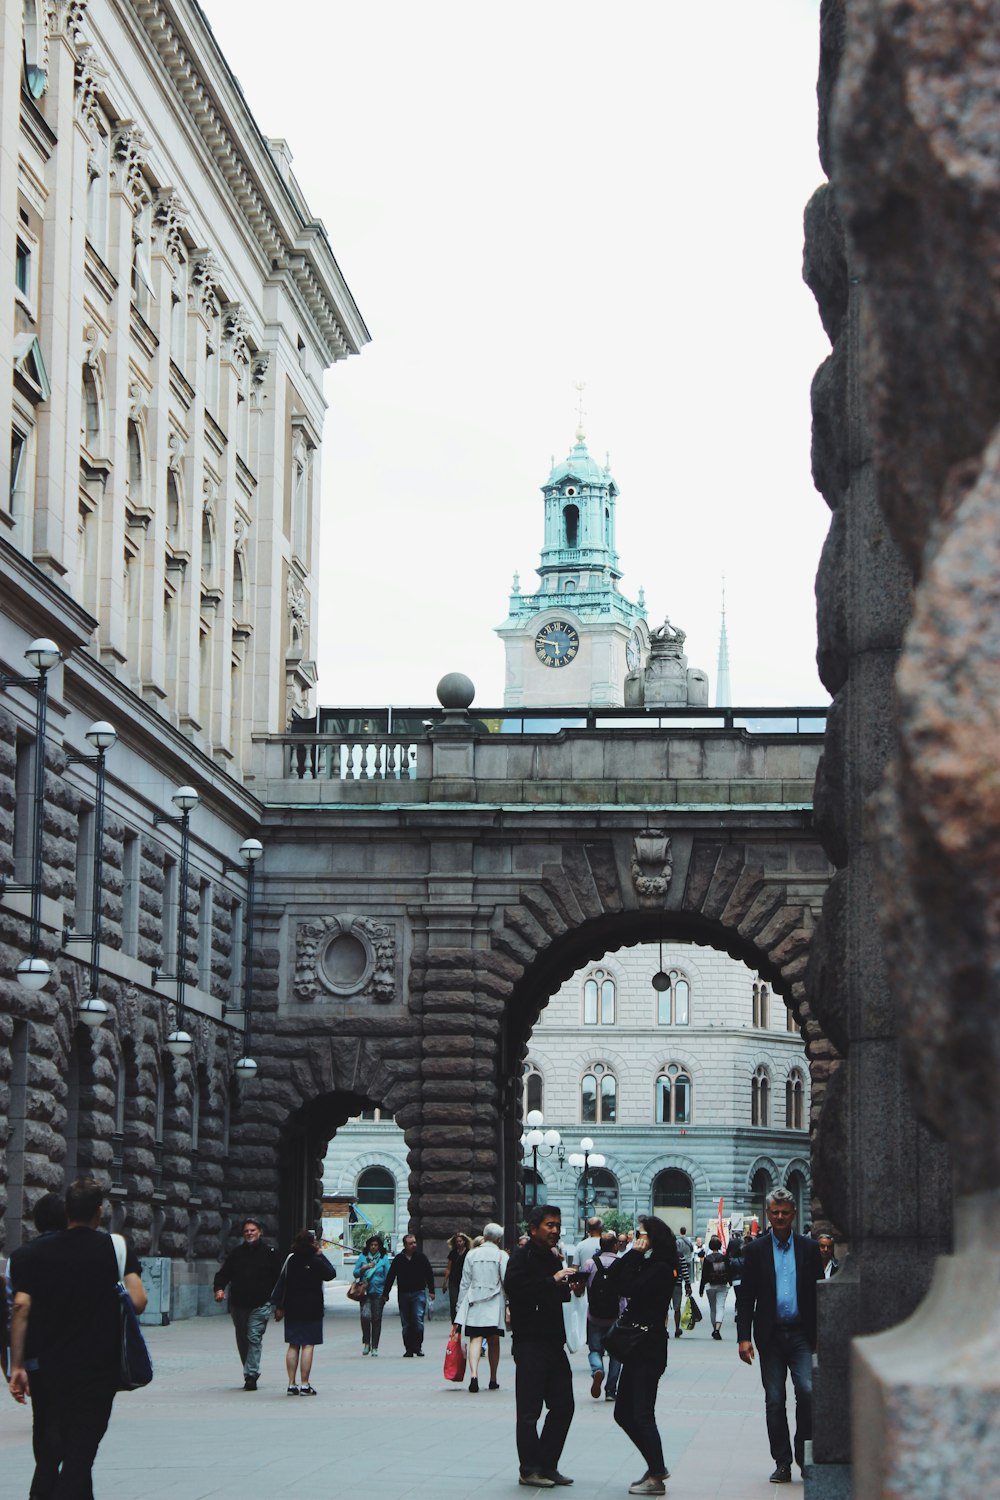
(394, 1427)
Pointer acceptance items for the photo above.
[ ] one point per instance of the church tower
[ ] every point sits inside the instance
(575, 640)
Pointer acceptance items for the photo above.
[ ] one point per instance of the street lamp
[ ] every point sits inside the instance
(539, 1142)
(584, 1159)
(92, 1011)
(250, 852)
(34, 973)
(179, 1042)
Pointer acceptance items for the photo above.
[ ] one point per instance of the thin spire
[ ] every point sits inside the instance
(723, 691)
(580, 387)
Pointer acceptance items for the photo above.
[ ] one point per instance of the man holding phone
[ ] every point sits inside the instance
(537, 1284)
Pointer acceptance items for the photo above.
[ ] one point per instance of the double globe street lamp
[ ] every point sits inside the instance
(538, 1142)
(584, 1159)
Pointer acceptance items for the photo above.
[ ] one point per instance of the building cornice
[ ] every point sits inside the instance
(39, 604)
(182, 40)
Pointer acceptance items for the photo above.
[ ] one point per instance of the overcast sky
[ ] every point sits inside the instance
(526, 196)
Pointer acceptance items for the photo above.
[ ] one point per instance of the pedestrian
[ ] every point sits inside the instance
(591, 1245)
(250, 1272)
(66, 1311)
(458, 1248)
(49, 1214)
(830, 1263)
(682, 1285)
(482, 1305)
(412, 1271)
(602, 1310)
(777, 1303)
(645, 1276)
(537, 1285)
(735, 1253)
(370, 1269)
(715, 1277)
(297, 1297)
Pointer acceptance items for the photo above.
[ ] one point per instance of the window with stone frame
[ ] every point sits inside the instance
(98, 183)
(673, 1005)
(599, 999)
(760, 1097)
(92, 424)
(673, 1096)
(598, 1096)
(532, 1089)
(794, 1101)
(761, 1006)
(143, 291)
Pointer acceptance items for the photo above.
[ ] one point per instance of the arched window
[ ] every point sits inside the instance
(571, 521)
(533, 1091)
(673, 1096)
(239, 587)
(794, 1101)
(91, 411)
(376, 1185)
(673, 1005)
(597, 1191)
(760, 1098)
(673, 1198)
(796, 1185)
(599, 999)
(135, 464)
(598, 1096)
(761, 1006)
(173, 510)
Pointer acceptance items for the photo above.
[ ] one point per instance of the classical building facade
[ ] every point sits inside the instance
(171, 308)
(693, 1094)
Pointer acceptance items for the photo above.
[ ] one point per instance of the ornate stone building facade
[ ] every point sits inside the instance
(171, 307)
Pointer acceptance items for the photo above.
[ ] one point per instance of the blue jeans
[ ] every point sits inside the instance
(412, 1307)
(595, 1353)
(787, 1353)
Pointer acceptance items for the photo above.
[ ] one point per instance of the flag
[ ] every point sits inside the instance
(722, 1227)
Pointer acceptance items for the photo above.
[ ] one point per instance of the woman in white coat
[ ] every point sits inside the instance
(481, 1304)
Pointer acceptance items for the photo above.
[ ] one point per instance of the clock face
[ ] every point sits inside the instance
(556, 644)
(633, 650)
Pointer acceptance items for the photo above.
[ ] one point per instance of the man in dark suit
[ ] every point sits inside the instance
(776, 1301)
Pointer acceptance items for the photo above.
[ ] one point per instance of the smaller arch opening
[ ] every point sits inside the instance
(571, 525)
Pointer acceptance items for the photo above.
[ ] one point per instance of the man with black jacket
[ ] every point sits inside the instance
(250, 1272)
(412, 1273)
(537, 1285)
(776, 1301)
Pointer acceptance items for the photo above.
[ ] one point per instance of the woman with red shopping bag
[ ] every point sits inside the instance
(482, 1306)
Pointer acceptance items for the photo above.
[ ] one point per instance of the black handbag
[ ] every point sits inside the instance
(135, 1367)
(622, 1338)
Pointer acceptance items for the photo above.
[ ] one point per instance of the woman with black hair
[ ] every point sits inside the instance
(298, 1298)
(645, 1276)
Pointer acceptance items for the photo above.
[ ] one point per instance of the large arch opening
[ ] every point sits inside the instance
(655, 1081)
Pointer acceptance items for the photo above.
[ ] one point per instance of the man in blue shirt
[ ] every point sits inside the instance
(776, 1301)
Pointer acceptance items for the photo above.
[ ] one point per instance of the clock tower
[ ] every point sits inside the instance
(576, 639)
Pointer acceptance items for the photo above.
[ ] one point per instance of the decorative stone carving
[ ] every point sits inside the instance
(296, 601)
(138, 400)
(93, 345)
(128, 158)
(169, 213)
(349, 957)
(205, 272)
(89, 75)
(235, 333)
(176, 445)
(652, 866)
(65, 18)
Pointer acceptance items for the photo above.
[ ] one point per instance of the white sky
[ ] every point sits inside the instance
(526, 196)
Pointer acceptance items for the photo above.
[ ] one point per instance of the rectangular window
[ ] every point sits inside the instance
(130, 894)
(22, 274)
(205, 935)
(24, 797)
(168, 938)
(83, 910)
(18, 447)
(236, 956)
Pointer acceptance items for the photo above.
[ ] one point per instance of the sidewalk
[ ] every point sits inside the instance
(394, 1427)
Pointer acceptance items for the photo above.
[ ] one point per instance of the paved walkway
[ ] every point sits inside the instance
(394, 1428)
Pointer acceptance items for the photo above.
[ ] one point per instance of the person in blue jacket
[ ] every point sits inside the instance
(371, 1268)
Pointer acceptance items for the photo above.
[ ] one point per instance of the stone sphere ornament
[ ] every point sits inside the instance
(455, 690)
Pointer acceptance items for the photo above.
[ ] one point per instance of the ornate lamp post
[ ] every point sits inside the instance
(586, 1158)
(34, 973)
(538, 1142)
(93, 1010)
(179, 1042)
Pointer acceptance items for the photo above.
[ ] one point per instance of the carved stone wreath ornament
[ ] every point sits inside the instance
(352, 958)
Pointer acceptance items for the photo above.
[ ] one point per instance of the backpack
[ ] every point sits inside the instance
(716, 1270)
(602, 1300)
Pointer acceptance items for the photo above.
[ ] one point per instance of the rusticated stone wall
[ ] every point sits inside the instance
(903, 253)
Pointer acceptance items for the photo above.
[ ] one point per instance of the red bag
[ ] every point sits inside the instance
(454, 1359)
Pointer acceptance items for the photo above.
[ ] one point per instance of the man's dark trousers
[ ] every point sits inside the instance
(74, 1418)
(543, 1378)
(787, 1352)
